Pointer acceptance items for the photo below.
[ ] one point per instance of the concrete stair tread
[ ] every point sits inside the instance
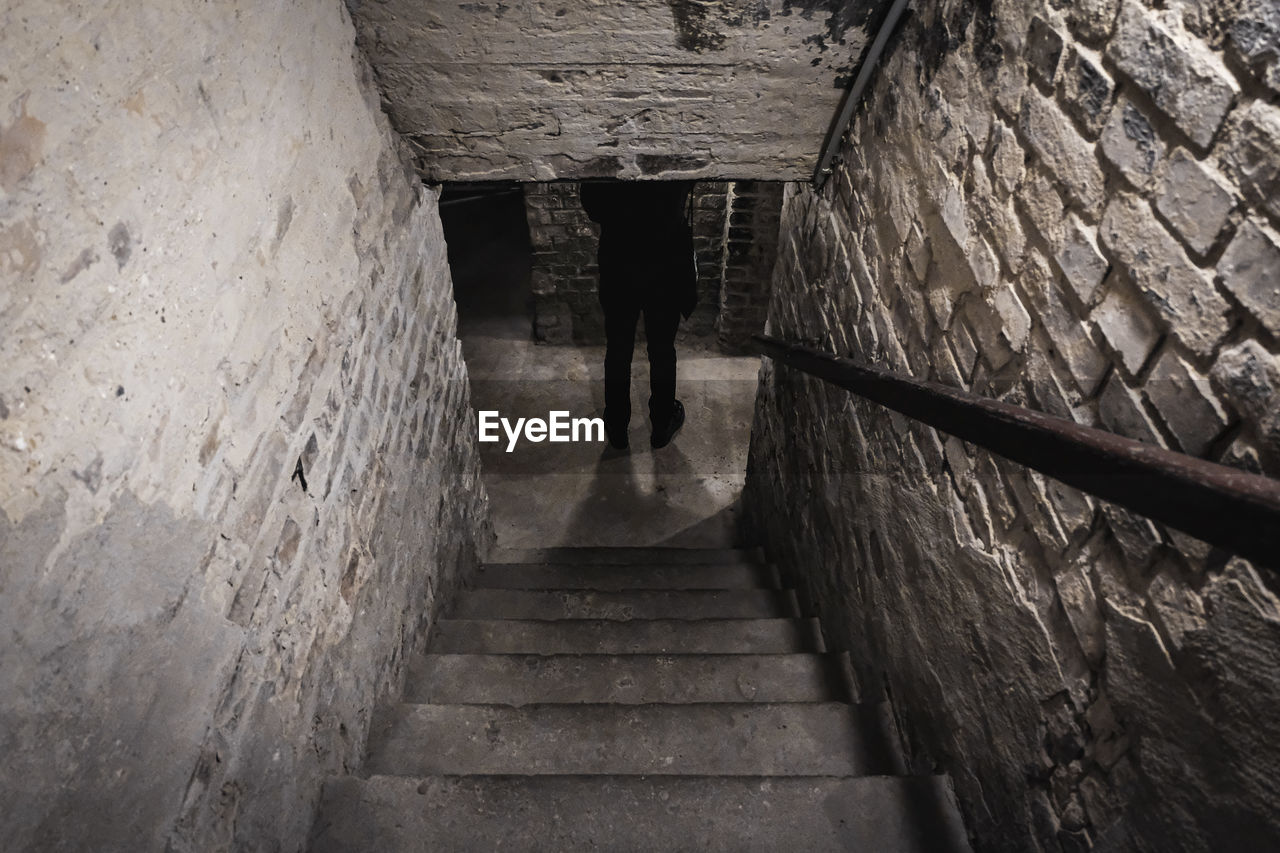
(876, 814)
(626, 679)
(624, 556)
(605, 576)
(751, 739)
(621, 605)
(636, 636)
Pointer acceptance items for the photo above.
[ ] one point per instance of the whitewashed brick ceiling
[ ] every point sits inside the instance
(546, 89)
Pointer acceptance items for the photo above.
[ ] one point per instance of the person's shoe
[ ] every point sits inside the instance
(662, 437)
(617, 438)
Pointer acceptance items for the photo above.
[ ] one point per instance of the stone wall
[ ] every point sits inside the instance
(710, 246)
(751, 249)
(1072, 207)
(532, 90)
(565, 276)
(237, 472)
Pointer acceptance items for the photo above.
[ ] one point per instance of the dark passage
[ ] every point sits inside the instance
(490, 257)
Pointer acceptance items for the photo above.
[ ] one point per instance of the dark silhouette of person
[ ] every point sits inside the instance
(646, 268)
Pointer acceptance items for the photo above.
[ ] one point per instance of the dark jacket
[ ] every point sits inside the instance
(646, 242)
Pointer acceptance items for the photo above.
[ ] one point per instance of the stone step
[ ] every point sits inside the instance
(740, 739)
(875, 814)
(605, 576)
(626, 679)
(638, 636)
(621, 605)
(626, 556)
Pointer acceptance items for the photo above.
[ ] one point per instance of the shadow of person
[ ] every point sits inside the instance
(641, 498)
(705, 504)
(629, 503)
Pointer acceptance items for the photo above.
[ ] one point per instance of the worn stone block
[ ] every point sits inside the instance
(1137, 537)
(1248, 378)
(918, 252)
(996, 216)
(1008, 160)
(1092, 20)
(1048, 392)
(993, 344)
(1251, 154)
(1250, 269)
(1014, 319)
(1063, 151)
(1194, 201)
(1087, 90)
(983, 263)
(1254, 33)
(1183, 77)
(1081, 263)
(1044, 50)
(1132, 145)
(1123, 320)
(1041, 202)
(1176, 289)
(1120, 409)
(1185, 403)
(1066, 332)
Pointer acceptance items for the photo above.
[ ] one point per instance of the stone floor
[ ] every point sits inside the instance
(545, 494)
(542, 495)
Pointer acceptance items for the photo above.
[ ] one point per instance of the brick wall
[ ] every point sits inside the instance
(564, 276)
(1072, 207)
(237, 473)
(751, 248)
(710, 209)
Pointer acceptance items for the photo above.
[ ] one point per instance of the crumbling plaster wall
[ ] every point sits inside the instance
(539, 90)
(237, 472)
(1072, 207)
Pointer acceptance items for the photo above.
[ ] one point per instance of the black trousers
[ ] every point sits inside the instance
(661, 320)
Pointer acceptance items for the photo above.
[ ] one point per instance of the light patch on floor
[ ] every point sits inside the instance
(544, 494)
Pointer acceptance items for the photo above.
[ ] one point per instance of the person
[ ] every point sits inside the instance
(646, 269)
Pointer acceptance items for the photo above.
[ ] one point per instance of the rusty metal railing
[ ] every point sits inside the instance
(853, 95)
(1226, 507)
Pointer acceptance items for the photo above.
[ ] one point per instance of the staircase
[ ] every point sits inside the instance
(631, 699)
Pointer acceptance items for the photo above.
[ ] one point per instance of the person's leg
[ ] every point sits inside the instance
(620, 319)
(660, 325)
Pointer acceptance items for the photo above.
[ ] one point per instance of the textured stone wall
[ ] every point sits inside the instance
(534, 90)
(1072, 207)
(751, 249)
(710, 246)
(237, 472)
(565, 276)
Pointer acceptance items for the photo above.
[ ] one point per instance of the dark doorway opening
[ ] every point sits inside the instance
(490, 258)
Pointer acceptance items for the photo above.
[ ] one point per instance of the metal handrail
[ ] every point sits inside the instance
(1226, 507)
(853, 95)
